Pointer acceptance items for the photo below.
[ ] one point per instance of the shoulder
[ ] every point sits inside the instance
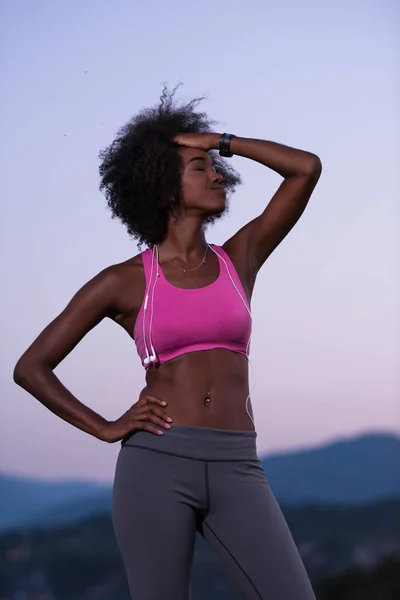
(237, 250)
(111, 281)
(117, 273)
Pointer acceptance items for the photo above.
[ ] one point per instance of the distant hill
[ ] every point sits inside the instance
(24, 500)
(357, 470)
(354, 471)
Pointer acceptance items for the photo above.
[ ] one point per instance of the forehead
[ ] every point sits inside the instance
(189, 154)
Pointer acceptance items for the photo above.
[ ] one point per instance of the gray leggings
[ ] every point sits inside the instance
(207, 480)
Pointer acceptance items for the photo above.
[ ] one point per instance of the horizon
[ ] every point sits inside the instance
(322, 78)
(288, 452)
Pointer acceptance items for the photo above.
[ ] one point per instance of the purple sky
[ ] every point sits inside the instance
(319, 76)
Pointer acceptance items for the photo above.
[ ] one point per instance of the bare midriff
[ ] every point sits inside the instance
(204, 389)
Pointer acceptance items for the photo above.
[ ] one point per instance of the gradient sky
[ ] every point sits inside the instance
(315, 75)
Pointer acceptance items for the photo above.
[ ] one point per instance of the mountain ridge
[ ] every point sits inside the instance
(353, 470)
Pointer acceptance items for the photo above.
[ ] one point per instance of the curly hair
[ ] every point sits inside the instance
(141, 170)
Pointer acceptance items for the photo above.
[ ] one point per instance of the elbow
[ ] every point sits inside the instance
(24, 370)
(314, 166)
(20, 372)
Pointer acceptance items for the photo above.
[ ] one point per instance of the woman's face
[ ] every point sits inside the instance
(202, 188)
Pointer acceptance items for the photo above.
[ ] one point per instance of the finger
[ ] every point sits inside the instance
(177, 139)
(160, 413)
(145, 414)
(151, 400)
(154, 419)
(149, 415)
(142, 412)
(146, 426)
(151, 429)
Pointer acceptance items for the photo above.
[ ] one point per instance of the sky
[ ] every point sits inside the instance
(318, 76)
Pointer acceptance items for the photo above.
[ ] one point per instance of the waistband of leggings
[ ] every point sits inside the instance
(198, 443)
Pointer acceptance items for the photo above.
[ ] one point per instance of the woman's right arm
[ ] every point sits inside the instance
(34, 370)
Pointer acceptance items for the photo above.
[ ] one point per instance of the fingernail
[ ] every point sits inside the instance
(164, 403)
(160, 432)
(167, 426)
(169, 419)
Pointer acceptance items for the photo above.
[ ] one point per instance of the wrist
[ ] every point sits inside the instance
(102, 431)
(215, 141)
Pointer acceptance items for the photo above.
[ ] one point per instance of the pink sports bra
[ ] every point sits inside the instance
(173, 321)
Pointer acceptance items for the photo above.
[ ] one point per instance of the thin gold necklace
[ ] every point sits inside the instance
(203, 260)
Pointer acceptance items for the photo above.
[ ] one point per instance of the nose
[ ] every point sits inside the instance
(216, 177)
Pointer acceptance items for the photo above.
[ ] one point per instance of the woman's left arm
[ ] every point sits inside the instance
(301, 171)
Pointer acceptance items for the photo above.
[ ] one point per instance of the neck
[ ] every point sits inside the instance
(185, 242)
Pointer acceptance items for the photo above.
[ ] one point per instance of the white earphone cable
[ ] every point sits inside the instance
(146, 361)
(251, 326)
(153, 356)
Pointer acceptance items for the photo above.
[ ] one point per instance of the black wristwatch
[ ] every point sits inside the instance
(225, 145)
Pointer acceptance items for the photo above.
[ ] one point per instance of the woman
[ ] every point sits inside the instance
(188, 460)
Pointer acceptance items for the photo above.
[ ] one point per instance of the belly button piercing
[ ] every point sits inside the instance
(207, 399)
